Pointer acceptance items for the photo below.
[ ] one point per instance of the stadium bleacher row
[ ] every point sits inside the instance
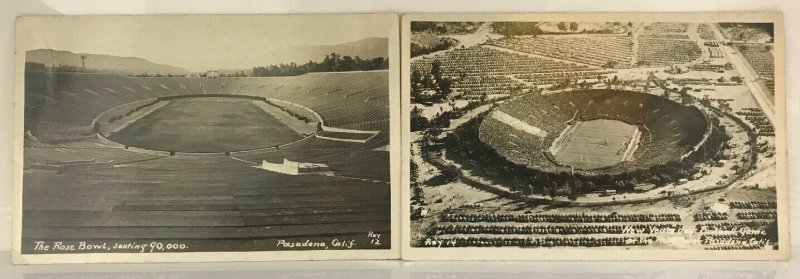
(58, 101)
(215, 202)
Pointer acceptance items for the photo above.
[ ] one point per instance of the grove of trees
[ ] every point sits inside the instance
(332, 63)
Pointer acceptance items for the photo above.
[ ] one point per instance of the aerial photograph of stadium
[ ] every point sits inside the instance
(592, 134)
(206, 133)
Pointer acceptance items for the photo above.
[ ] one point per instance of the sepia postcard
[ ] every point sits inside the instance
(635, 136)
(206, 138)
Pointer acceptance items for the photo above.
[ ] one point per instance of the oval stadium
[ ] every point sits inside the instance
(221, 163)
(594, 131)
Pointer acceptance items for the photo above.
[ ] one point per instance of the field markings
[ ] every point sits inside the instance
(597, 143)
(91, 92)
(73, 95)
(246, 161)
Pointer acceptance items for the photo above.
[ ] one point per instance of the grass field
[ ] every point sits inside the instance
(594, 144)
(206, 125)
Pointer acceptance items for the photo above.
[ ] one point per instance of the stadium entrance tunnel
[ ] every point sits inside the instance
(203, 124)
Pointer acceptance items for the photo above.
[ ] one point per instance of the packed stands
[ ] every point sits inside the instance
(669, 130)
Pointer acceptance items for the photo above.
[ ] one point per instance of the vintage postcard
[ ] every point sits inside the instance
(636, 136)
(206, 138)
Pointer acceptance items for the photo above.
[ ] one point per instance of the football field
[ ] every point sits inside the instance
(208, 124)
(595, 144)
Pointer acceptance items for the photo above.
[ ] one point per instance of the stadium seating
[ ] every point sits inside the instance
(58, 101)
(670, 130)
(214, 201)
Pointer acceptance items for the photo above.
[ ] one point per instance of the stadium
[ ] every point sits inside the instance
(597, 136)
(638, 135)
(218, 164)
(595, 131)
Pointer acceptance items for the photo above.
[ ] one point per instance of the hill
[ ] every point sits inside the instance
(424, 43)
(101, 62)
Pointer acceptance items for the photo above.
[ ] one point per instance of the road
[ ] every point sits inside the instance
(751, 79)
(759, 91)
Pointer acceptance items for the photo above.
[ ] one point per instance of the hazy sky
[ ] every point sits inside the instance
(198, 43)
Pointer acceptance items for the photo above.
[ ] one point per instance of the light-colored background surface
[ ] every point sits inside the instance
(9, 9)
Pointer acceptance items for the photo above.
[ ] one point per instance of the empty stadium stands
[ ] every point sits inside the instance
(214, 202)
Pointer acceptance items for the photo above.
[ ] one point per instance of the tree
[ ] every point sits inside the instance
(346, 64)
(562, 26)
(573, 26)
(416, 81)
(418, 122)
(436, 70)
(611, 63)
(331, 63)
(414, 171)
(444, 88)
(590, 186)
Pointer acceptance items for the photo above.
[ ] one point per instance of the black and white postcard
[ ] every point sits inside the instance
(206, 138)
(594, 136)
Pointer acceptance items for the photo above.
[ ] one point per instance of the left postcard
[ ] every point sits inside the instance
(187, 138)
